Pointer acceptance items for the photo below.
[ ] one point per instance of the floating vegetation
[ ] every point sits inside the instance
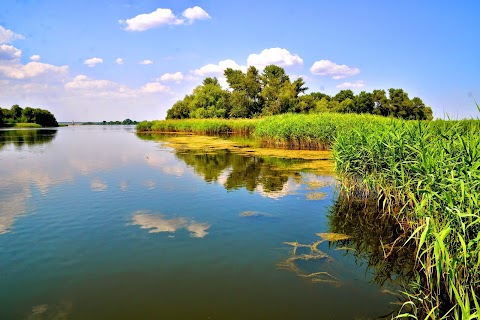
(314, 185)
(291, 263)
(316, 195)
(331, 236)
(254, 214)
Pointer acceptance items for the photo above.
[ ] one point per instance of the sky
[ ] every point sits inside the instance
(95, 60)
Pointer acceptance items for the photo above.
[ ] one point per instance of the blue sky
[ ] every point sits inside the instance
(100, 60)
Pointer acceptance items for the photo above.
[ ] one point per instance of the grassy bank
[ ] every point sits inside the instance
(423, 174)
(27, 125)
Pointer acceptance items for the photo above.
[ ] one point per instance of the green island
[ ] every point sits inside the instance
(420, 177)
(26, 117)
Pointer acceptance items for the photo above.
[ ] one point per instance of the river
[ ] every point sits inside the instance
(97, 222)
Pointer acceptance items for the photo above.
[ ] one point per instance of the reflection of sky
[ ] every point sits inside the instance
(156, 223)
(75, 152)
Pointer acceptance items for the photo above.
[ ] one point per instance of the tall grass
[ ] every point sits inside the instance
(27, 125)
(427, 175)
(202, 126)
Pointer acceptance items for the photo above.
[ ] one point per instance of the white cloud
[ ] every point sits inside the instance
(107, 88)
(30, 70)
(330, 68)
(354, 85)
(154, 87)
(195, 13)
(177, 77)
(163, 17)
(83, 82)
(35, 57)
(7, 36)
(146, 62)
(158, 18)
(119, 61)
(92, 62)
(277, 56)
(8, 52)
(217, 69)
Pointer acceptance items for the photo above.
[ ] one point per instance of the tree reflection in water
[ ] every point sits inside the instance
(26, 137)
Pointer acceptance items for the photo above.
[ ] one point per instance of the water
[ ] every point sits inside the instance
(97, 223)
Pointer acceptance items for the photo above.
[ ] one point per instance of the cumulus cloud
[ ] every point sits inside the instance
(92, 62)
(217, 69)
(163, 17)
(330, 68)
(84, 82)
(35, 57)
(177, 77)
(30, 70)
(195, 13)
(146, 62)
(7, 36)
(8, 52)
(119, 61)
(277, 56)
(353, 85)
(108, 88)
(154, 87)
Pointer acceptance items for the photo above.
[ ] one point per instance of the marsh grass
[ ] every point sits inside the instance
(27, 125)
(427, 175)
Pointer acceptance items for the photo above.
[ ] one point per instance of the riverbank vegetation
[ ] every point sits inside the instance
(110, 123)
(423, 175)
(26, 118)
(253, 94)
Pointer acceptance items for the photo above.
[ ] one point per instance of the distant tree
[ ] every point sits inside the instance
(380, 102)
(343, 95)
(44, 118)
(28, 115)
(364, 102)
(16, 112)
(2, 117)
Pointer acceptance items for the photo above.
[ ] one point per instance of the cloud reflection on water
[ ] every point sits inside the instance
(156, 223)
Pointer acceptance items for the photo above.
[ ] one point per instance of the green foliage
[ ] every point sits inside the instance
(28, 115)
(426, 175)
(27, 125)
(252, 94)
(203, 126)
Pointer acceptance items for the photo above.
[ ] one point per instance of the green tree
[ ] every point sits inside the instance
(16, 112)
(380, 102)
(343, 95)
(364, 102)
(28, 115)
(44, 118)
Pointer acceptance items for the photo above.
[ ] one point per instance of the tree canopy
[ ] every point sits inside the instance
(252, 94)
(28, 115)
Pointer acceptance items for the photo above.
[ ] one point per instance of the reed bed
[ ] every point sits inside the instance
(200, 126)
(313, 131)
(427, 175)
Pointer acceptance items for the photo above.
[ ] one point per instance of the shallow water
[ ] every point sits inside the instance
(97, 223)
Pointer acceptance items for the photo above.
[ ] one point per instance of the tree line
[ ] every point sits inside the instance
(16, 114)
(253, 94)
(124, 122)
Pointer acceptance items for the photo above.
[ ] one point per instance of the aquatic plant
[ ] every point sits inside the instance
(426, 175)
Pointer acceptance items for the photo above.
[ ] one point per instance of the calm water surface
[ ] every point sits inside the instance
(96, 223)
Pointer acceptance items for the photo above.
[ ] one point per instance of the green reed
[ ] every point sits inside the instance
(427, 175)
(202, 126)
